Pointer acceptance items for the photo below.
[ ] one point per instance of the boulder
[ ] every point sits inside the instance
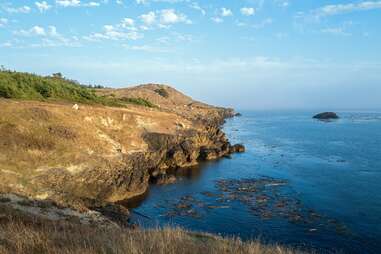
(208, 153)
(238, 148)
(326, 116)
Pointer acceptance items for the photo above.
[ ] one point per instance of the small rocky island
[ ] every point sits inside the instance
(326, 116)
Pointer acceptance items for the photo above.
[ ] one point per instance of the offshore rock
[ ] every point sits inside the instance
(326, 116)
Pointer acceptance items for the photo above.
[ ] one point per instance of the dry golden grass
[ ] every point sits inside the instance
(38, 136)
(37, 237)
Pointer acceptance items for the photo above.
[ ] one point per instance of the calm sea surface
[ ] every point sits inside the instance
(302, 182)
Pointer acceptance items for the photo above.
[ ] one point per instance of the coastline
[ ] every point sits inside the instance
(86, 158)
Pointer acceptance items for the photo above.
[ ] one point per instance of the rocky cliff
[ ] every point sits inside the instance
(87, 156)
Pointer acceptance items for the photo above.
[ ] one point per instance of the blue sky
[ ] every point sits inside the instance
(250, 54)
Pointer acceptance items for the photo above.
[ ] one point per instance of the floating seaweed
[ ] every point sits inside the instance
(266, 198)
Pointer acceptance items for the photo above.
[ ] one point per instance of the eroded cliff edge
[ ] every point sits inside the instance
(89, 157)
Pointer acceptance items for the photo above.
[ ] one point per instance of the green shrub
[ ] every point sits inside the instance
(138, 101)
(17, 85)
(162, 92)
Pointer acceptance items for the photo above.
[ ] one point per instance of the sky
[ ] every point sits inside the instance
(247, 54)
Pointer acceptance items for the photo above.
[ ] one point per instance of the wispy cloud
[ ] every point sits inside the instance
(115, 33)
(197, 7)
(263, 23)
(146, 48)
(43, 37)
(330, 10)
(42, 6)
(338, 9)
(335, 31)
(247, 11)
(163, 18)
(77, 3)
(22, 9)
(68, 3)
(225, 12)
(3, 22)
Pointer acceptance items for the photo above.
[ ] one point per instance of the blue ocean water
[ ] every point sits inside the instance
(332, 184)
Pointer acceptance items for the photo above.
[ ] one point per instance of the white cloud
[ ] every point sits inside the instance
(147, 48)
(217, 19)
(148, 18)
(170, 16)
(78, 3)
(46, 36)
(50, 31)
(223, 12)
(34, 31)
(163, 18)
(91, 4)
(68, 3)
(226, 12)
(196, 6)
(22, 9)
(329, 10)
(42, 6)
(114, 33)
(335, 31)
(128, 24)
(338, 9)
(247, 11)
(37, 30)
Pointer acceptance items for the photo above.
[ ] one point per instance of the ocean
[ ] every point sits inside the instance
(302, 182)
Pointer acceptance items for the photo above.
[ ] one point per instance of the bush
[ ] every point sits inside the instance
(162, 92)
(138, 101)
(17, 85)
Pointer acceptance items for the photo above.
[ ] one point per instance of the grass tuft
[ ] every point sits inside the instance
(36, 236)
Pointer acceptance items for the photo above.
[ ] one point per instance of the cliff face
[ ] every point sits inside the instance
(88, 156)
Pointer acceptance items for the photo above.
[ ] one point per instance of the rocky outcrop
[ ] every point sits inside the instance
(187, 149)
(326, 116)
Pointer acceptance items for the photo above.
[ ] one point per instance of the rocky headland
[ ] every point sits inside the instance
(92, 157)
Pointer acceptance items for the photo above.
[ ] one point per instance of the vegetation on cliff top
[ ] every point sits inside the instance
(26, 86)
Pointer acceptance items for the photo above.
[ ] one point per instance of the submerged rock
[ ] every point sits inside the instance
(326, 116)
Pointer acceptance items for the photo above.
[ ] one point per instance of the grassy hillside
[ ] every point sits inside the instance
(17, 85)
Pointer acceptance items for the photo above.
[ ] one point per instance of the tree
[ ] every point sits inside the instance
(57, 75)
